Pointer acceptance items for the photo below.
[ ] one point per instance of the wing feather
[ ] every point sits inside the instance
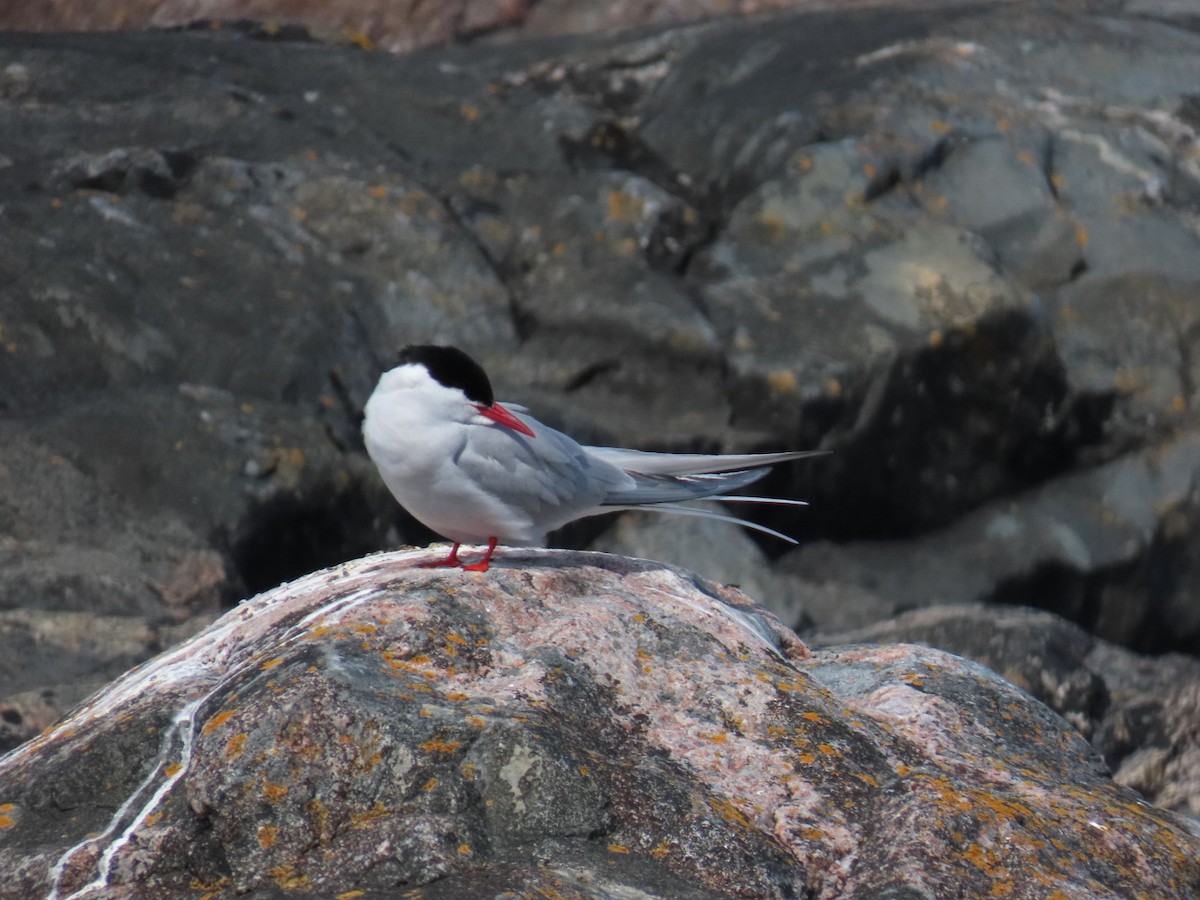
(647, 463)
(679, 510)
(550, 478)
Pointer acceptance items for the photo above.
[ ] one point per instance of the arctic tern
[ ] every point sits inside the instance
(478, 471)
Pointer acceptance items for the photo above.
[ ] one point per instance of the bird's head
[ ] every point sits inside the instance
(450, 384)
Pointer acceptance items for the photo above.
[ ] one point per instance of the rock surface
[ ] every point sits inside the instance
(956, 246)
(577, 723)
(1108, 548)
(389, 25)
(366, 23)
(1141, 713)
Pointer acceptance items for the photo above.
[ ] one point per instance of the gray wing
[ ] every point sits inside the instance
(550, 477)
(648, 489)
(647, 463)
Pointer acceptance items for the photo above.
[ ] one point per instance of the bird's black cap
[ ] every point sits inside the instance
(452, 368)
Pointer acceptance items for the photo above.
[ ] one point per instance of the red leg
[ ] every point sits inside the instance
(482, 565)
(451, 560)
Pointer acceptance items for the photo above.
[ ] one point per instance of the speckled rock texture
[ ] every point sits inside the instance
(389, 25)
(1141, 713)
(574, 724)
(955, 244)
(367, 23)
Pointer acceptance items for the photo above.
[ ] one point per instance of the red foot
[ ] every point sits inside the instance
(452, 560)
(482, 565)
(449, 561)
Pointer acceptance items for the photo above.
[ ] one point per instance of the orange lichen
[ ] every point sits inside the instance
(814, 717)
(729, 812)
(212, 889)
(320, 815)
(272, 663)
(783, 381)
(172, 769)
(987, 861)
(624, 207)
(438, 745)
(429, 785)
(218, 720)
(417, 665)
(267, 835)
(272, 792)
(617, 848)
(364, 818)
(285, 876)
(235, 746)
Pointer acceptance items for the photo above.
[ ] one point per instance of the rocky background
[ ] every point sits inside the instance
(573, 725)
(956, 244)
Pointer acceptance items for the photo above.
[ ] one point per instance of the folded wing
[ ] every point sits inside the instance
(647, 463)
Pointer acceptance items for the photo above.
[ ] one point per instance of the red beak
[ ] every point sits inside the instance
(502, 416)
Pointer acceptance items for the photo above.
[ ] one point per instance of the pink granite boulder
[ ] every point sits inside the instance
(574, 723)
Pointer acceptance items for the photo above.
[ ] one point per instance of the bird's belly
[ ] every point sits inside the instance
(446, 500)
(466, 514)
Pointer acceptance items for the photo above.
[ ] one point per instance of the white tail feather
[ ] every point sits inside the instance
(647, 463)
(680, 510)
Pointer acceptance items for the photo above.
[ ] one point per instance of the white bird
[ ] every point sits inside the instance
(476, 471)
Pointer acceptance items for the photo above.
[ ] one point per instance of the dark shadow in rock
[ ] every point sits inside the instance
(983, 412)
(292, 534)
(1129, 604)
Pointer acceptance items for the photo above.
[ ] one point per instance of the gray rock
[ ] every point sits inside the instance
(1139, 712)
(568, 722)
(365, 24)
(1088, 546)
(957, 247)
